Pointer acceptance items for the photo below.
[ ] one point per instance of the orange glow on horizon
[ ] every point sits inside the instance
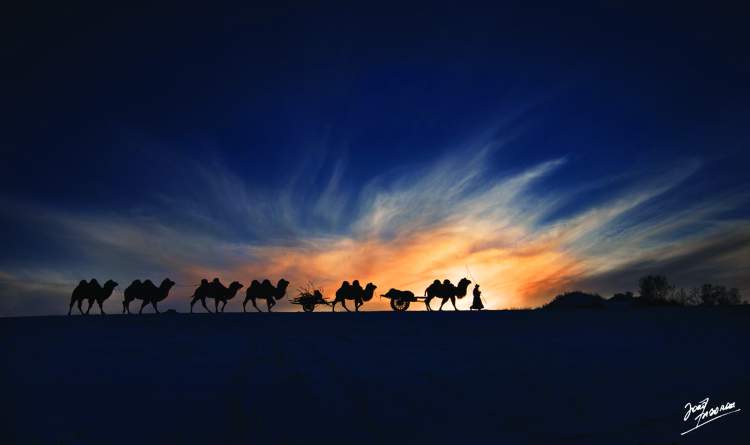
(510, 274)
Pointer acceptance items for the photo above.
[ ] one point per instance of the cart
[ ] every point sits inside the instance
(400, 300)
(308, 300)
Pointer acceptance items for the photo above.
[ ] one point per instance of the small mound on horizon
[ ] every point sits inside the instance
(575, 300)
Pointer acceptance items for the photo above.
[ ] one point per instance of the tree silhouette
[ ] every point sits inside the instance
(655, 289)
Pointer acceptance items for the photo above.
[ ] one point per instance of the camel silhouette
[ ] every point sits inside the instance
(201, 293)
(91, 291)
(79, 294)
(446, 291)
(433, 290)
(265, 291)
(222, 294)
(147, 292)
(354, 292)
(100, 294)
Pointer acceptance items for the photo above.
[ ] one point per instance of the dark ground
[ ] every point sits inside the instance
(525, 377)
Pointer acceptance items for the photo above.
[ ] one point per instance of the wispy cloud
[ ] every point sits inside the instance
(454, 217)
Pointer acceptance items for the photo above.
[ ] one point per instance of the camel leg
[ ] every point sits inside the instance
(427, 303)
(445, 300)
(271, 303)
(91, 303)
(156, 307)
(124, 306)
(244, 305)
(101, 309)
(343, 303)
(72, 302)
(142, 306)
(223, 306)
(216, 305)
(80, 309)
(333, 305)
(203, 302)
(255, 305)
(453, 300)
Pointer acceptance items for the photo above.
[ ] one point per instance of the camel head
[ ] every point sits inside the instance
(167, 284)
(463, 285)
(110, 284)
(281, 288)
(369, 292)
(234, 287)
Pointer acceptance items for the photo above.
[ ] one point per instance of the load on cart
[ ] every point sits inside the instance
(401, 299)
(308, 298)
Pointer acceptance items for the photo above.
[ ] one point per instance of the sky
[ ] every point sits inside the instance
(534, 148)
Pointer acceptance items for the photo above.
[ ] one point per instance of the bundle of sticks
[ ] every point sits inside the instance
(309, 294)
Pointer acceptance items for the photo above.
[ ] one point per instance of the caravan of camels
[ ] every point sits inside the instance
(150, 294)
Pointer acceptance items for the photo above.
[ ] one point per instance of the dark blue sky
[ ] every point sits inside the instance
(135, 113)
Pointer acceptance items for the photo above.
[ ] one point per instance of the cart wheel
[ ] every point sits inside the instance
(399, 305)
(308, 307)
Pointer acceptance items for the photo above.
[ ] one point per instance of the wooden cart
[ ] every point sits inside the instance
(308, 300)
(401, 301)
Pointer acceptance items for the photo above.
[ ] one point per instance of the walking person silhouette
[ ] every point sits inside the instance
(476, 304)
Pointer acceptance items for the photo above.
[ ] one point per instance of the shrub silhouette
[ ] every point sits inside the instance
(711, 295)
